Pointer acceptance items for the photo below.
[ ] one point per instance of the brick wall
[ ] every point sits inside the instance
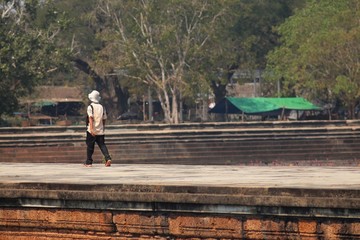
(16, 224)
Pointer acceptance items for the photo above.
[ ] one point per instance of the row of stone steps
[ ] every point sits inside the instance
(249, 144)
(183, 135)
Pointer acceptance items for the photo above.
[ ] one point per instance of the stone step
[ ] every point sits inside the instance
(204, 125)
(282, 159)
(47, 139)
(157, 154)
(317, 144)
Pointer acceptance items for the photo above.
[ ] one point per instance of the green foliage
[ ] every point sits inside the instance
(254, 28)
(320, 51)
(27, 54)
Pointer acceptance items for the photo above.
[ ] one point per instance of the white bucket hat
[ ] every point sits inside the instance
(94, 96)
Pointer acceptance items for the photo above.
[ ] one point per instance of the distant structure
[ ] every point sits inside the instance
(53, 104)
(245, 83)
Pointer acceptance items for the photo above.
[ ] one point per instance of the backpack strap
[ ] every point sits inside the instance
(87, 116)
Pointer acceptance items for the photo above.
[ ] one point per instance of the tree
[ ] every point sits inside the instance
(319, 56)
(27, 53)
(159, 44)
(254, 28)
(246, 37)
(88, 55)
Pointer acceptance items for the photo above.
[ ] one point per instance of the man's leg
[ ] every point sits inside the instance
(100, 140)
(90, 143)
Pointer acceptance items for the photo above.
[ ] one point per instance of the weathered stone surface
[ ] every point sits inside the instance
(343, 229)
(151, 224)
(25, 223)
(56, 220)
(206, 227)
(307, 227)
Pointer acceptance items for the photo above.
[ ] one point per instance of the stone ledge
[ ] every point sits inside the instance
(215, 200)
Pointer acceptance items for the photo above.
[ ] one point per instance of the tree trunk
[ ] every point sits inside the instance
(115, 98)
(219, 91)
(170, 106)
(85, 67)
(352, 110)
(175, 110)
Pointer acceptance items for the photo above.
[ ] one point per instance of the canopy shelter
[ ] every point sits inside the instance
(48, 103)
(262, 106)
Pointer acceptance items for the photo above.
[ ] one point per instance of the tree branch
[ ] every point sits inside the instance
(86, 68)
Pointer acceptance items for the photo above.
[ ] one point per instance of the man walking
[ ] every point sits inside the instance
(96, 114)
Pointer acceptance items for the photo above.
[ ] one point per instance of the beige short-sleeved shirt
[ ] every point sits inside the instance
(99, 114)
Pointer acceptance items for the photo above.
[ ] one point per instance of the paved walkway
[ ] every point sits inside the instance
(195, 175)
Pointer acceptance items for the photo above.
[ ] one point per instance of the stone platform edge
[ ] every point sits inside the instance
(290, 202)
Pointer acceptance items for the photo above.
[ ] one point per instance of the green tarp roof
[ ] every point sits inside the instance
(261, 106)
(44, 103)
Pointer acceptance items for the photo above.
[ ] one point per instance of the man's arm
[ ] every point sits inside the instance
(91, 126)
(104, 117)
